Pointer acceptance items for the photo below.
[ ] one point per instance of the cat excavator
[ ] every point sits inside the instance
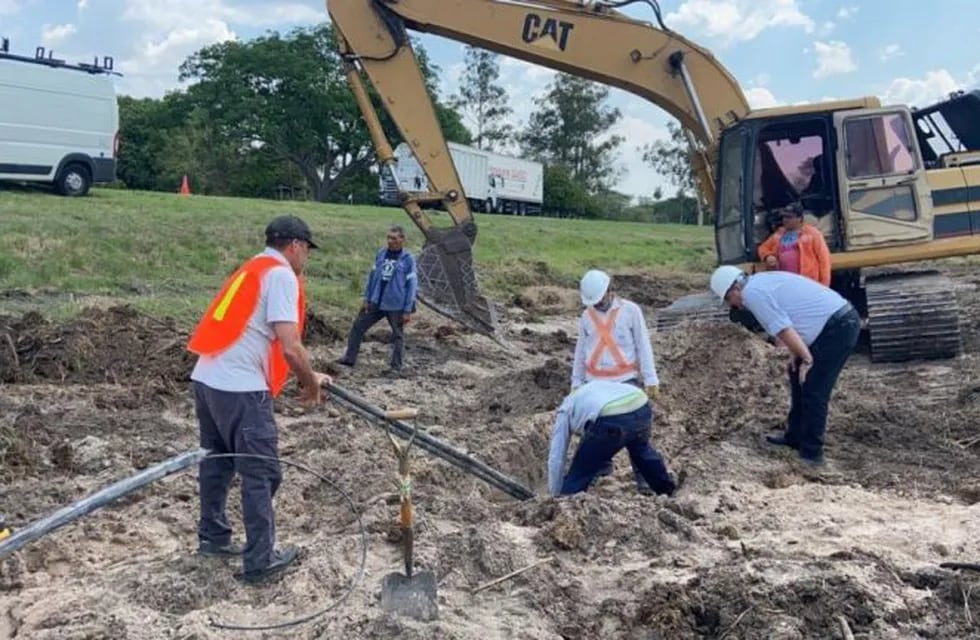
(885, 184)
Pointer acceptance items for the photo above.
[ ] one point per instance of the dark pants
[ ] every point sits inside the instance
(606, 470)
(367, 319)
(233, 422)
(603, 439)
(807, 422)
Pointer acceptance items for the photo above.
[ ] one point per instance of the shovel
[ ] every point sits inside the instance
(409, 594)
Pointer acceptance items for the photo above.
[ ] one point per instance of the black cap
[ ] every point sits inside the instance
(289, 228)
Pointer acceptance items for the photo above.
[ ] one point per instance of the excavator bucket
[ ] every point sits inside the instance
(447, 280)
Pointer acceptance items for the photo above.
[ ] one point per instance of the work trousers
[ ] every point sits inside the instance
(641, 484)
(367, 319)
(807, 421)
(238, 422)
(604, 437)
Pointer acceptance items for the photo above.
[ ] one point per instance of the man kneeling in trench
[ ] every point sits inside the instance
(610, 416)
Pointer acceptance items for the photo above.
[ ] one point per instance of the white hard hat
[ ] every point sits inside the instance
(593, 286)
(723, 278)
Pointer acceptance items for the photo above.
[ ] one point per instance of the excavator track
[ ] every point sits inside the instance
(699, 307)
(912, 316)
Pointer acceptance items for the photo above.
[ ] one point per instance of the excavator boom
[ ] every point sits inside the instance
(587, 39)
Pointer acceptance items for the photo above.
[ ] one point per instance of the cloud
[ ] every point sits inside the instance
(166, 33)
(9, 7)
(847, 12)
(638, 177)
(738, 20)
(761, 98)
(833, 58)
(935, 85)
(890, 51)
(82, 5)
(58, 33)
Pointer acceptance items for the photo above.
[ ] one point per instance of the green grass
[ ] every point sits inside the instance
(167, 254)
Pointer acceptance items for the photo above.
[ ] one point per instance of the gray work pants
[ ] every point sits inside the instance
(367, 319)
(238, 422)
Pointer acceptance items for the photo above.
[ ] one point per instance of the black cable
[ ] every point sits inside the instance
(354, 581)
(653, 5)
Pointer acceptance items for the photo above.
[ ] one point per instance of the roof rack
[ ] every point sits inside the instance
(104, 66)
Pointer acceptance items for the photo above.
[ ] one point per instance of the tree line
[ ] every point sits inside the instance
(274, 117)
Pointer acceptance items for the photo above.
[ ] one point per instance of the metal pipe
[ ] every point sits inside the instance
(100, 498)
(450, 454)
(677, 64)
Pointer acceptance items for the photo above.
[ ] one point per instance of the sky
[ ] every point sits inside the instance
(780, 51)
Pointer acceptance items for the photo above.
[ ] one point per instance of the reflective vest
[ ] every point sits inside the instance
(225, 320)
(606, 341)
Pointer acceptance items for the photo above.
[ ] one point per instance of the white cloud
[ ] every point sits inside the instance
(935, 85)
(9, 7)
(833, 58)
(847, 12)
(638, 177)
(890, 51)
(761, 98)
(761, 79)
(58, 33)
(82, 5)
(738, 20)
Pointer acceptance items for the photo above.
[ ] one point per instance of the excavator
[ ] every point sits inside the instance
(885, 184)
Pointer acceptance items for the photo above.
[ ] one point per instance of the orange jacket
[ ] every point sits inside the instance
(227, 316)
(814, 253)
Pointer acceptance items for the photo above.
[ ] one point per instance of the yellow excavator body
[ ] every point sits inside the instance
(885, 184)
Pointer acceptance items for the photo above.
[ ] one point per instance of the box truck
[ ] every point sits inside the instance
(492, 182)
(59, 123)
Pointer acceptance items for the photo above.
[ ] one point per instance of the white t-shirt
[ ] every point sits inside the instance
(242, 366)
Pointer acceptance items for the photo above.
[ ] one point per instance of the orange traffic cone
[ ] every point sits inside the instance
(185, 190)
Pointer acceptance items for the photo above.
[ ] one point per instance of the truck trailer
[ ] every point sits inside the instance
(492, 182)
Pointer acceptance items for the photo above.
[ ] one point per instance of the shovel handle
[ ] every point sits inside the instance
(406, 413)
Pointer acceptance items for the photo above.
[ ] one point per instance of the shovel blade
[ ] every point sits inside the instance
(447, 280)
(414, 597)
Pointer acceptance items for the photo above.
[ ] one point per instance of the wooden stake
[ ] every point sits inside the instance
(512, 574)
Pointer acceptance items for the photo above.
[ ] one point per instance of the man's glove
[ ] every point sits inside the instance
(653, 391)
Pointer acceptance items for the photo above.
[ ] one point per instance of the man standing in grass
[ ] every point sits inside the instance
(248, 341)
(390, 293)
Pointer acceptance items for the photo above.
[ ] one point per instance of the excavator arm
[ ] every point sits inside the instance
(587, 39)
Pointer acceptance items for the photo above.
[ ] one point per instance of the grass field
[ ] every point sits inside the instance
(166, 254)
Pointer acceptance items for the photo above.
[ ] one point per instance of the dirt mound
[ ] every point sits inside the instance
(527, 391)
(548, 300)
(118, 345)
(657, 290)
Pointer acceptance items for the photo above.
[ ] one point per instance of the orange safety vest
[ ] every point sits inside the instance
(606, 341)
(226, 318)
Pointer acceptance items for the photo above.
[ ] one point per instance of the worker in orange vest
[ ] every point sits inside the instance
(248, 341)
(798, 247)
(613, 344)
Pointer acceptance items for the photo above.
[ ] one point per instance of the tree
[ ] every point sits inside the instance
(289, 96)
(571, 127)
(483, 100)
(671, 158)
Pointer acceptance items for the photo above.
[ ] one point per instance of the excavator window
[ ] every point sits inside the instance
(878, 146)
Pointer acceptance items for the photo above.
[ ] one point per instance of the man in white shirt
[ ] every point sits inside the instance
(818, 326)
(609, 416)
(613, 345)
(247, 342)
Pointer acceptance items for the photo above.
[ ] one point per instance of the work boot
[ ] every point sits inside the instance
(212, 550)
(282, 559)
(780, 440)
(813, 463)
(344, 361)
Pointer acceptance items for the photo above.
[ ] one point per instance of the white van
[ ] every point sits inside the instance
(59, 123)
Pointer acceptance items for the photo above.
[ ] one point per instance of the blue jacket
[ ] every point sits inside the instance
(399, 293)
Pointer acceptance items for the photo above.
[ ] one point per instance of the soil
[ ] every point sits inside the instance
(753, 546)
